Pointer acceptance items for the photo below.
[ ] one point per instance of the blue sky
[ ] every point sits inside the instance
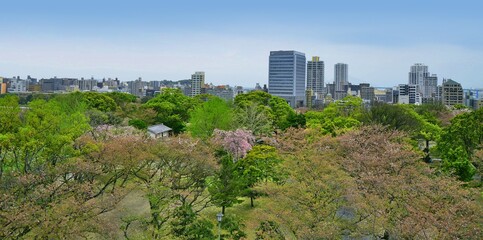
(231, 40)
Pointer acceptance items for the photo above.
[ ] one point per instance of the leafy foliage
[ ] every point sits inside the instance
(226, 185)
(99, 101)
(398, 195)
(172, 108)
(337, 118)
(269, 230)
(260, 164)
(279, 109)
(138, 123)
(187, 226)
(68, 161)
(459, 141)
(233, 225)
(211, 115)
(255, 118)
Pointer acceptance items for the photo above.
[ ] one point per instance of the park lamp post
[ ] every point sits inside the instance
(219, 216)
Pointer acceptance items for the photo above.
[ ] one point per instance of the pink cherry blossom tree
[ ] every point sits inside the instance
(237, 143)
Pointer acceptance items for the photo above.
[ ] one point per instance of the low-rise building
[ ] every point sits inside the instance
(137, 87)
(3, 86)
(159, 131)
(222, 91)
(408, 94)
(57, 84)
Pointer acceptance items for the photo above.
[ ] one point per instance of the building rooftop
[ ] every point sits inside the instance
(160, 128)
(450, 82)
(285, 52)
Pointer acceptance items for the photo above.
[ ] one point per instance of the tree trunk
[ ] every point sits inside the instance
(223, 210)
(251, 201)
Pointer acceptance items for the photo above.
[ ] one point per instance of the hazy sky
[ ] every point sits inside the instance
(231, 40)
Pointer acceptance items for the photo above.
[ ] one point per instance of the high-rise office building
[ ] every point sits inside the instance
(315, 77)
(197, 83)
(341, 78)
(430, 84)
(425, 82)
(417, 74)
(286, 76)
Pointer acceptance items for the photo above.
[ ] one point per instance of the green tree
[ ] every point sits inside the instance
(295, 120)
(10, 123)
(432, 112)
(279, 108)
(176, 181)
(281, 111)
(233, 225)
(172, 108)
(253, 117)
(226, 185)
(459, 141)
(397, 196)
(71, 103)
(188, 226)
(257, 97)
(211, 115)
(269, 230)
(338, 117)
(121, 98)
(46, 135)
(457, 161)
(137, 123)
(99, 101)
(260, 164)
(350, 106)
(204, 97)
(9, 114)
(65, 200)
(123, 101)
(395, 116)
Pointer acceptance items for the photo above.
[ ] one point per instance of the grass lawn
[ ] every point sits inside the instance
(251, 216)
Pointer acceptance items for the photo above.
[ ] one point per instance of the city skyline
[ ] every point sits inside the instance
(159, 40)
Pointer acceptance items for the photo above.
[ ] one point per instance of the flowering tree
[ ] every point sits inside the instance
(237, 143)
(228, 184)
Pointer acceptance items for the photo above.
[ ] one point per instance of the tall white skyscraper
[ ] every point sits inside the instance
(417, 74)
(425, 82)
(341, 78)
(315, 76)
(197, 82)
(286, 76)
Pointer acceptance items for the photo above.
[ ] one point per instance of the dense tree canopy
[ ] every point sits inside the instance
(172, 108)
(459, 141)
(71, 161)
(278, 108)
(211, 115)
(337, 118)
